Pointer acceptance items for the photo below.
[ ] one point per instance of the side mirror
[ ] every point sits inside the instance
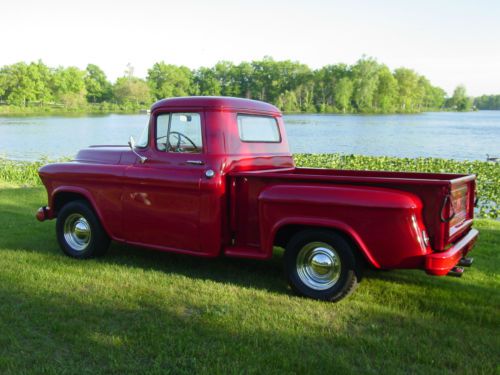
(131, 144)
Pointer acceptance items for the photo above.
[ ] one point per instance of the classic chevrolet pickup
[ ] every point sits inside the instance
(214, 176)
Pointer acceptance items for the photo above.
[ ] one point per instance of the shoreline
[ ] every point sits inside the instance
(26, 112)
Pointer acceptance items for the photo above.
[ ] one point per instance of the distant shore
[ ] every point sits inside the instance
(6, 110)
(58, 111)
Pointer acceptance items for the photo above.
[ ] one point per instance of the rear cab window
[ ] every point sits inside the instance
(256, 128)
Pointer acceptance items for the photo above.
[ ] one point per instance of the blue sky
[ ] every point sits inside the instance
(450, 42)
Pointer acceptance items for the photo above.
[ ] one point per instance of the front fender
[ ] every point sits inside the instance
(100, 184)
(85, 194)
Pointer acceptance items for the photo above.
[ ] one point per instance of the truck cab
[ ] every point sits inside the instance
(214, 176)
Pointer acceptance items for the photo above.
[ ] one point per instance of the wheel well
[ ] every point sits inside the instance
(65, 197)
(285, 233)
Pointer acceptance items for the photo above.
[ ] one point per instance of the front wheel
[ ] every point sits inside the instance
(321, 264)
(79, 232)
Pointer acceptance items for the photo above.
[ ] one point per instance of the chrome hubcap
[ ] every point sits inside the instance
(77, 232)
(318, 265)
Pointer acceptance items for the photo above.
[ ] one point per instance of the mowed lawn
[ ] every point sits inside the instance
(139, 311)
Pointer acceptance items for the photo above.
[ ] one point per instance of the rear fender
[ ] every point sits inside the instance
(319, 223)
(385, 224)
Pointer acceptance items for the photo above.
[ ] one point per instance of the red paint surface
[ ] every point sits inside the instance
(257, 195)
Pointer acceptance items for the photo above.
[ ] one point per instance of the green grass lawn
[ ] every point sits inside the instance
(142, 311)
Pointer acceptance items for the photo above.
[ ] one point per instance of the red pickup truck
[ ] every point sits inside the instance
(213, 176)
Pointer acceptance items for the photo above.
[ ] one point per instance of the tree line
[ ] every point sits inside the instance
(364, 87)
(491, 102)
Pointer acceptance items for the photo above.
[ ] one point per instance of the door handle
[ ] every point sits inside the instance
(195, 162)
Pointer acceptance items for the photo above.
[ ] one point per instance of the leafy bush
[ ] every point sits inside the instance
(488, 174)
(23, 173)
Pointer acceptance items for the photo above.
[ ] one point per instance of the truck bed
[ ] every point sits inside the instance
(434, 189)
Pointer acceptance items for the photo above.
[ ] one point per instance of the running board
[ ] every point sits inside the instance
(246, 252)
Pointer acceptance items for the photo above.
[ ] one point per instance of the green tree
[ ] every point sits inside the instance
(68, 86)
(3, 86)
(366, 86)
(299, 78)
(206, 82)
(365, 80)
(436, 97)
(263, 79)
(131, 90)
(385, 96)
(40, 76)
(343, 94)
(287, 102)
(166, 80)
(21, 84)
(407, 89)
(97, 85)
(227, 75)
(460, 101)
(244, 73)
(326, 85)
(489, 102)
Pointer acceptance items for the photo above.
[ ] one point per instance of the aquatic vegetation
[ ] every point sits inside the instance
(488, 173)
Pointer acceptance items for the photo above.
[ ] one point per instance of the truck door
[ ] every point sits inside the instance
(161, 197)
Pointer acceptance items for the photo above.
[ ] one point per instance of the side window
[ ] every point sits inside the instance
(162, 122)
(179, 132)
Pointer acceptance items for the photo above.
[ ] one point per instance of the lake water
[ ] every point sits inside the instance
(461, 136)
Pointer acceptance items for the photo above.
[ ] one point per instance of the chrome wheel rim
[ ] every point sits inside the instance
(77, 232)
(318, 265)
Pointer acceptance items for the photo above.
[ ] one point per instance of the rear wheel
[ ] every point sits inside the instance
(321, 264)
(79, 232)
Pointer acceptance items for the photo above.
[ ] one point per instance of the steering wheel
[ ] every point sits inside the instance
(179, 141)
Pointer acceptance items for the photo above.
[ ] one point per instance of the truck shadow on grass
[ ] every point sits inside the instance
(267, 275)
